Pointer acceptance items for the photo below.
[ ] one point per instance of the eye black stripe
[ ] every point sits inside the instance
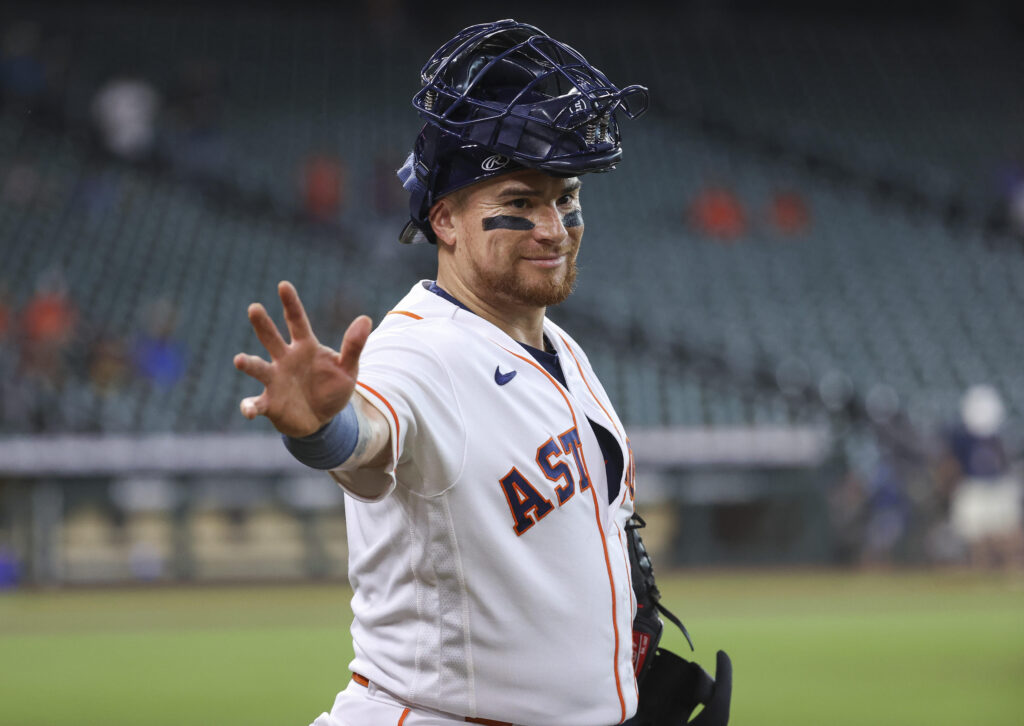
(573, 219)
(507, 221)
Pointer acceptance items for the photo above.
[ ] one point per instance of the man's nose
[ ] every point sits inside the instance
(548, 226)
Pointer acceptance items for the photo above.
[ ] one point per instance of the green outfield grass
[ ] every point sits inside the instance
(900, 649)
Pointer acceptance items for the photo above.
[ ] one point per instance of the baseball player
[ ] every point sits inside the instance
(490, 483)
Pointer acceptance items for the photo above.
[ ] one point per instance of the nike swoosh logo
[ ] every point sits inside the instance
(502, 378)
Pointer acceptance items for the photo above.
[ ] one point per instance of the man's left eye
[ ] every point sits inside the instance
(565, 200)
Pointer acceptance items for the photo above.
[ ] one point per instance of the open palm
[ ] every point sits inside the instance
(305, 382)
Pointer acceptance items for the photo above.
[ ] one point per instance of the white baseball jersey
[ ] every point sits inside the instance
(490, 572)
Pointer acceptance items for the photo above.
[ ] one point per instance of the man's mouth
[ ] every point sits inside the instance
(547, 260)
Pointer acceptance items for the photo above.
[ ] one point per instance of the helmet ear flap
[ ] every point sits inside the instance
(415, 178)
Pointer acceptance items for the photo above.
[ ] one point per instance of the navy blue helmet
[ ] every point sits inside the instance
(505, 96)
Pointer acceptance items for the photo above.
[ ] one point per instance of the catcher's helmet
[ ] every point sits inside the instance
(504, 96)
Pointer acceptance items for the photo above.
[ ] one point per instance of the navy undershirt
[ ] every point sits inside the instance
(548, 359)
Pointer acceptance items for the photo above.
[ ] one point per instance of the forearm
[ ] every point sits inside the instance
(357, 437)
(373, 442)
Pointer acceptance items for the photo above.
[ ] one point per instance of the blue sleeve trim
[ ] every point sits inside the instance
(329, 447)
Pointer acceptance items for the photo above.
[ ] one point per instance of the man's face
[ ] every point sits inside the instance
(516, 238)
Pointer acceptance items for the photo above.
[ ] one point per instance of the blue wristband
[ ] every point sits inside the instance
(329, 447)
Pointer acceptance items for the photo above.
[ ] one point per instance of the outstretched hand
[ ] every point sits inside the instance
(305, 382)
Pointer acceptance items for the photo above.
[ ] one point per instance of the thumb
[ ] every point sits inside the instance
(254, 405)
(353, 341)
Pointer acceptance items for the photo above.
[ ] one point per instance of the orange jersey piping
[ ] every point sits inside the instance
(414, 316)
(594, 396)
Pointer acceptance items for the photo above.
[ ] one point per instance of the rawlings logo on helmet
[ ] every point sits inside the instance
(495, 162)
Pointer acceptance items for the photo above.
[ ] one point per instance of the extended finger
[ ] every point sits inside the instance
(353, 342)
(254, 406)
(253, 365)
(266, 331)
(294, 313)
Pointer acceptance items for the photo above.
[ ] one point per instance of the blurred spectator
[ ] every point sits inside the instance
(159, 357)
(986, 504)
(789, 214)
(46, 329)
(50, 315)
(323, 187)
(8, 567)
(718, 213)
(108, 365)
(124, 111)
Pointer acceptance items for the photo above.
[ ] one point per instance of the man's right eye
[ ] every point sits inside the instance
(519, 203)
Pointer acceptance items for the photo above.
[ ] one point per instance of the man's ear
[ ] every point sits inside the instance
(442, 221)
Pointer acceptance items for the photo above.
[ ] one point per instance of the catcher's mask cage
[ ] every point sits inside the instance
(504, 96)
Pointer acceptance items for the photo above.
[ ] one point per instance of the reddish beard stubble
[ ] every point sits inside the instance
(540, 293)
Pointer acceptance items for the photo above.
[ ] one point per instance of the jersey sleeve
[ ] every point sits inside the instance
(403, 377)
